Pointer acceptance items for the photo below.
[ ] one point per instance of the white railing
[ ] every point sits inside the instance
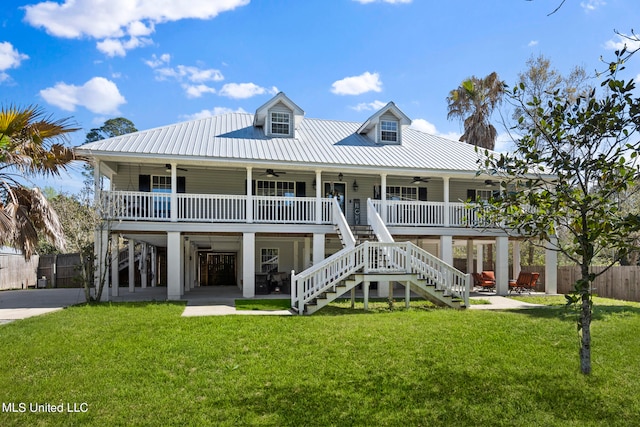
(377, 224)
(340, 221)
(212, 207)
(429, 214)
(377, 258)
(141, 206)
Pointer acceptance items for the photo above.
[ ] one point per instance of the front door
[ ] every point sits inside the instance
(220, 269)
(336, 190)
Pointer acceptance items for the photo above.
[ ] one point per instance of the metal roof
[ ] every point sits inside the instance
(330, 143)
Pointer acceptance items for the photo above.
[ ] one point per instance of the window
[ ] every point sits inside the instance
(276, 188)
(402, 193)
(388, 131)
(161, 203)
(280, 123)
(484, 194)
(269, 260)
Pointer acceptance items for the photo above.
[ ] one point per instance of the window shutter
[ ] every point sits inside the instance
(144, 183)
(301, 189)
(377, 193)
(471, 195)
(182, 184)
(422, 194)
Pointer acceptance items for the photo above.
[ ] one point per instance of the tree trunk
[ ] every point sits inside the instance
(585, 322)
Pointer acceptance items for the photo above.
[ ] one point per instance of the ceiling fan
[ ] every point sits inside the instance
(490, 183)
(272, 174)
(167, 168)
(419, 180)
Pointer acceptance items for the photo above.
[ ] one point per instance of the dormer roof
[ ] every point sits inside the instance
(374, 120)
(260, 116)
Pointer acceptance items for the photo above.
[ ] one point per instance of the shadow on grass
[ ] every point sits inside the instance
(599, 313)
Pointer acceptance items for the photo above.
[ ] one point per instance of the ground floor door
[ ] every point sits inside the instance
(218, 268)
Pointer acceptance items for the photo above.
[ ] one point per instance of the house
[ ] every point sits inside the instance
(236, 197)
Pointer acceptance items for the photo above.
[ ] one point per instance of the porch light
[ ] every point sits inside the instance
(355, 185)
(340, 176)
(314, 183)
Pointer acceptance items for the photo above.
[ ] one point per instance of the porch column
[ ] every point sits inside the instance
(248, 265)
(101, 248)
(132, 265)
(445, 188)
(318, 197)
(296, 255)
(551, 267)
(502, 265)
(516, 258)
(383, 197)
(446, 249)
(187, 264)
(306, 253)
(115, 265)
(469, 256)
(318, 248)
(174, 193)
(154, 266)
(249, 207)
(174, 265)
(383, 289)
(479, 258)
(143, 265)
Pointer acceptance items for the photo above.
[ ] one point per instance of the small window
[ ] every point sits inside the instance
(484, 195)
(388, 131)
(276, 188)
(161, 184)
(280, 123)
(269, 260)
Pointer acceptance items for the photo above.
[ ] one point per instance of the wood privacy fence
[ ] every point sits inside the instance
(17, 273)
(61, 271)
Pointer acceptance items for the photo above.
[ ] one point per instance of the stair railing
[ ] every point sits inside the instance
(377, 224)
(339, 220)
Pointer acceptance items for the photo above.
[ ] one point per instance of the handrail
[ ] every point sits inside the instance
(377, 224)
(343, 226)
(377, 258)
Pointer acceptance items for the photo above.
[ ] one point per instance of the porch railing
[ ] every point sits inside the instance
(146, 206)
(428, 214)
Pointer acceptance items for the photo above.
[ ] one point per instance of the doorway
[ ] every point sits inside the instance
(336, 190)
(219, 269)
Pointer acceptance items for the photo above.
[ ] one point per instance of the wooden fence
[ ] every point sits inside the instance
(17, 273)
(61, 271)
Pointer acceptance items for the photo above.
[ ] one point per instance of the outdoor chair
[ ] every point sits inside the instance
(525, 283)
(484, 281)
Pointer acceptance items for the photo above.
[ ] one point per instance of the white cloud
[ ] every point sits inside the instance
(369, 106)
(504, 143)
(98, 95)
(533, 43)
(216, 111)
(9, 58)
(590, 5)
(114, 21)
(244, 90)
(427, 127)
(196, 91)
(383, 1)
(157, 61)
(632, 43)
(357, 85)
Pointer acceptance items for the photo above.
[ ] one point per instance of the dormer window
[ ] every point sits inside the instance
(280, 123)
(388, 131)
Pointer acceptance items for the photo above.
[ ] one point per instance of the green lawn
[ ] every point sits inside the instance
(143, 364)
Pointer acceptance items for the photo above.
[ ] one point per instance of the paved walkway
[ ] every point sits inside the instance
(21, 304)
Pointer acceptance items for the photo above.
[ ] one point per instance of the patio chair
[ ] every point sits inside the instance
(484, 281)
(525, 283)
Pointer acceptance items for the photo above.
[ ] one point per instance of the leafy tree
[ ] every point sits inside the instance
(30, 144)
(567, 173)
(473, 102)
(110, 128)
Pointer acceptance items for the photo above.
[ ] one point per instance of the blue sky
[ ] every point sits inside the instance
(158, 63)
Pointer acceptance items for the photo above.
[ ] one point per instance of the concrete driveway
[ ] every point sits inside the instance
(21, 304)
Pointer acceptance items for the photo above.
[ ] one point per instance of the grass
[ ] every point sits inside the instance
(263, 304)
(144, 364)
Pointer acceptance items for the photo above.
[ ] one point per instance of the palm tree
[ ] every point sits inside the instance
(30, 145)
(473, 102)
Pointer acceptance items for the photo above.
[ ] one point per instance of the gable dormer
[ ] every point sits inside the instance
(280, 117)
(386, 126)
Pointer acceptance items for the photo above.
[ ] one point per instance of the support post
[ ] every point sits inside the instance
(143, 265)
(479, 258)
(248, 265)
(365, 289)
(469, 256)
(174, 193)
(174, 265)
(318, 248)
(407, 294)
(446, 249)
(318, 197)
(132, 263)
(383, 197)
(101, 267)
(115, 265)
(502, 265)
(517, 267)
(447, 210)
(249, 207)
